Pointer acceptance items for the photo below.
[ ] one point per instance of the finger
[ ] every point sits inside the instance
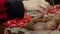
(41, 10)
(45, 5)
(48, 6)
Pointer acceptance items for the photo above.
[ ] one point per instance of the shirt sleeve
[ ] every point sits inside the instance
(15, 9)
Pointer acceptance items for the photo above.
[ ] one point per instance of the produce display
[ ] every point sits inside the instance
(18, 22)
(37, 21)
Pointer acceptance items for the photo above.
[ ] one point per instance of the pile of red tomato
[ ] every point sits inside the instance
(54, 9)
(18, 22)
(21, 23)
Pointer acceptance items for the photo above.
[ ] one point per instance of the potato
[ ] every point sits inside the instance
(50, 17)
(29, 26)
(58, 27)
(57, 16)
(36, 18)
(51, 25)
(39, 26)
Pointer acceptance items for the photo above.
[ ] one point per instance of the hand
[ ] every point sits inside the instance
(36, 5)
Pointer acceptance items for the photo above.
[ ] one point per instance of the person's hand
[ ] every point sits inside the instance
(36, 5)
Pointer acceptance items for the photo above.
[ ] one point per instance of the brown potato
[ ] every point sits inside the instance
(58, 27)
(51, 25)
(37, 18)
(39, 26)
(48, 18)
(29, 26)
(57, 16)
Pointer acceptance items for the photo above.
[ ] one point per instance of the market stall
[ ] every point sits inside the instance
(34, 21)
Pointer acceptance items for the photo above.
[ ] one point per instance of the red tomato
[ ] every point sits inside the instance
(9, 23)
(12, 26)
(20, 24)
(27, 18)
(20, 21)
(53, 11)
(26, 21)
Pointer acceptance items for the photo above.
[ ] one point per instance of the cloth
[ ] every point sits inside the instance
(11, 9)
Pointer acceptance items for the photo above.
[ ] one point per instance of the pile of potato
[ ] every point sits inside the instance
(40, 22)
